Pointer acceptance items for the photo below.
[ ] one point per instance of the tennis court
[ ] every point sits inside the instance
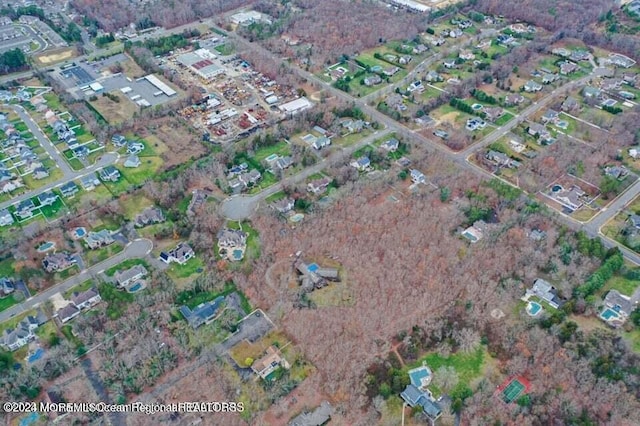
(512, 391)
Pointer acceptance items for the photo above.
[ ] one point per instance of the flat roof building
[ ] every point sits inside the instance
(295, 106)
(160, 85)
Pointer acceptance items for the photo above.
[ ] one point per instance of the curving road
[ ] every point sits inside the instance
(134, 250)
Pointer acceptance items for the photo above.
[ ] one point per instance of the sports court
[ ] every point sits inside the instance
(512, 389)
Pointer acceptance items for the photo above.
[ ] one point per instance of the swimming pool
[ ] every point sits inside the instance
(313, 267)
(477, 107)
(470, 236)
(609, 314)
(420, 376)
(79, 233)
(272, 157)
(35, 356)
(534, 308)
(29, 419)
(237, 254)
(136, 287)
(296, 217)
(46, 246)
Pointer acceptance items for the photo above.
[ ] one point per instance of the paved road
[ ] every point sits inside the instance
(135, 250)
(43, 139)
(68, 173)
(242, 206)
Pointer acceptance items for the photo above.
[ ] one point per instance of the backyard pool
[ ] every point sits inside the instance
(469, 236)
(136, 287)
(237, 254)
(609, 314)
(533, 308)
(28, 419)
(35, 356)
(79, 233)
(477, 107)
(296, 217)
(271, 158)
(556, 188)
(46, 246)
(313, 267)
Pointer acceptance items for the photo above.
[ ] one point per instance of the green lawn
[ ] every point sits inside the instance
(6, 267)
(53, 101)
(634, 338)
(352, 138)
(275, 197)
(54, 210)
(253, 239)
(623, 285)
(506, 117)
(78, 288)
(268, 179)
(190, 268)
(117, 300)
(225, 49)
(93, 257)
(146, 171)
(118, 187)
(281, 148)
(7, 302)
(468, 366)
(125, 265)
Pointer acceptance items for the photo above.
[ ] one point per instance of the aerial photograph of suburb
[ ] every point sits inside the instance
(320, 212)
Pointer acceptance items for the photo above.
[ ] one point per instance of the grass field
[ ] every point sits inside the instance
(79, 288)
(126, 265)
(194, 266)
(623, 285)
(281, 149)
(468, 366)
(134, 204)
(7, 302)
(148, 168)
(112, 111)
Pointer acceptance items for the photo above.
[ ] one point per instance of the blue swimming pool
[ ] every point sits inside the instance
(79, 232)
(35, 356)
(533, 308)
(46, 246)
(313, 267)
(470, 236)
(609, 314)
(237, 254)
(420, 376)
(29, 419)
(135, 287)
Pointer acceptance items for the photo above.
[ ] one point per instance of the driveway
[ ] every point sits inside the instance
(136, 249)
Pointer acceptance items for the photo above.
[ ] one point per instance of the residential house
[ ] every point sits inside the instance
(6, 287)
(455, 33)
(56, 262)
(132, 161)
(475, 123)
(321, 142)
(634, 152)
(546, 292)
(415, 397)
(419, 49)
(405, 59)
(611, 83)
(124, 278)
(81, 151)
(86, 299)
(99, 239)
(416, 86)
(361, 164)
(570, 104)
(69, 189)
(22, 334)
(202, 314)
(537, 129)
(517, 146)
(466, 55)
(271, 361)
(6, 218)
(40, 173)
(500, 159)
(616, 172)
(537, 234)
(561, 51)
(119, 140)
(284, 162)
(352, 126)
(180, 254)
(318, 186)
(250, 178)
(109, 174)
(314, 277)
(580, 55)
(390, 145)
(197, 199)
(134, 148)
(550, 116)
(449, 63)
(622, 306)
(591, 92)
(571, 198)
(372, 80)
(634, 219)
(283, 205)
(318, 417)
(89, 182)
(493, 113)
(67, 313)
(149, 216)
(433, 76)
(25, 209)
(320, 130)
(567, 68)
(47, 198)
(548, 78)
(532, 86)
(417, 176)
(391, 71)
(514, 99)
(232, 243)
